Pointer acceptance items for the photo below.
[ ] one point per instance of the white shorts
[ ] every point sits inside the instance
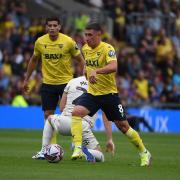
(62, 124)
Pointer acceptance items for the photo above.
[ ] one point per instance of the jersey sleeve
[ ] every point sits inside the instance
(37, 49)
(110, 54)
(75, 51)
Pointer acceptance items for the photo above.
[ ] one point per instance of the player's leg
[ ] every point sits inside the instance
(54, 123)
(63, 126)
(58, 123)
(76, 130)
(145, 123)
(47, 135)
(131, 134)
(48, 113)
(115, 112)
(134, 137)
(91, 146)
(84, 105)
(49, 99)
(110, 147)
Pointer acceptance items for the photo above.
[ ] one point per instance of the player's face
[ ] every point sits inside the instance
(53, 28)
(92, 37)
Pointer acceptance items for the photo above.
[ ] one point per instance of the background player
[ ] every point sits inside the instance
(62, 123)
(55, 51)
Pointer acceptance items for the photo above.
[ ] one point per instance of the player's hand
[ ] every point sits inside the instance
(92, 77)
(25, 87)
(110, 147)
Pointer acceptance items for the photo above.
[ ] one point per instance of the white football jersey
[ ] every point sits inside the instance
(74, 89)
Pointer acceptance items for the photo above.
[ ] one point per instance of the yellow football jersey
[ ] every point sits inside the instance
(98, 58)
(56, 58)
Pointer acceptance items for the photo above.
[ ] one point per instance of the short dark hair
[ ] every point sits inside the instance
(94, 25)
(52, 19)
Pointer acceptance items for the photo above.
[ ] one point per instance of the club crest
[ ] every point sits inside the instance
(111, 53)
(61, 45)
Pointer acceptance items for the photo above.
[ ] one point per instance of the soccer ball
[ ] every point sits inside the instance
(53, 153)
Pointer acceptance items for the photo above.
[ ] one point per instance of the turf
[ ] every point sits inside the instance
(17, 147)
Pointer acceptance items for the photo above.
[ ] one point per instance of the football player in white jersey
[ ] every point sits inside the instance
(62, 123)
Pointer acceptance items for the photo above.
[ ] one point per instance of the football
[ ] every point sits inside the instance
(53, 153)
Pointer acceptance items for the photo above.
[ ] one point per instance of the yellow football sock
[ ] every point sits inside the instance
(76, 130)
(135, 139)
(54, 138)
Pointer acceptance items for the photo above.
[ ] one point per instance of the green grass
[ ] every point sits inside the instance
(17, 147)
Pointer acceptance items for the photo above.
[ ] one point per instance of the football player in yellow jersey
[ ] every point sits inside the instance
(55, 51)
(101, 66)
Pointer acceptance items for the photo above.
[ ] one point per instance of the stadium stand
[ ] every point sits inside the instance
(146, 34)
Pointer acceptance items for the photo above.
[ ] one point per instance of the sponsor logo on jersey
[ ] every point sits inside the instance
(83, 83)
(52, 56)
(93, 63)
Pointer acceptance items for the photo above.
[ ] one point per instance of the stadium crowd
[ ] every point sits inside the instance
(146, 35)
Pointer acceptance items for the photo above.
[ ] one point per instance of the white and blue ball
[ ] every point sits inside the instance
(53, 153)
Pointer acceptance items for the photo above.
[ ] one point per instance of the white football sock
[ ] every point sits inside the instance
(47, 133)
(99, 156)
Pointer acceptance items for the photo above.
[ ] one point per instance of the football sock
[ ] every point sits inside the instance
(99, 156)
(76, 130)
(47, 133)
(135, 139)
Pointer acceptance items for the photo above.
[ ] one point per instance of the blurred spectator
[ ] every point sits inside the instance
(164, 48)
(134, 65)
(176, 43)
(4, 80)
(147, 43)
(6, 43)
(177, 22)
(134, 31)
(155, 22)
(96, 3)
(145, 34)
(18, 99)
(78, 37)
(176, 79)
(8, 22)
(7, 66)
(17, 62)
(118, 15)
(142, 86)
(81, 21)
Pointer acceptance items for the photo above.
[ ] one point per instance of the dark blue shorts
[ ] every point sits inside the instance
(109, 104)
(50, 95)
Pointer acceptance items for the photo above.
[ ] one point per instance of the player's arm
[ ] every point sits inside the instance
(31, 67)
(77, 55)
(109, 68)
(110, 147)
(63, 101)
(81, 62)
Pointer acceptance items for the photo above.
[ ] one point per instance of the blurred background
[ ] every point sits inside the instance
(145, 34)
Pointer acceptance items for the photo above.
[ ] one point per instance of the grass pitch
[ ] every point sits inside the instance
(18, 146)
